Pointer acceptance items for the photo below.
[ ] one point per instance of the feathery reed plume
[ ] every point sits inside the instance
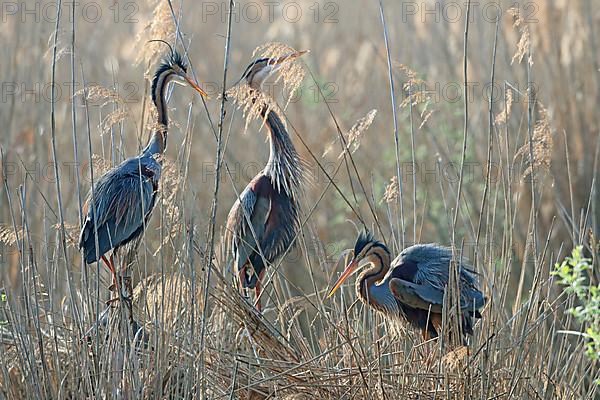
(416, 92)
(101, 95)
(113, 118)
(105, 96)
(524, 39)
(392, 191)
(354, 135)
(160, 27)
(542, 144)
(8, 235)
(503, 116)
(71, 233)
(290, 74)
(252, 102)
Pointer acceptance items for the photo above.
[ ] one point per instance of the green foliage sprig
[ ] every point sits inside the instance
(573, 276)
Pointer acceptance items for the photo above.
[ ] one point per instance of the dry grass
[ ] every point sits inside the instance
(304, 346)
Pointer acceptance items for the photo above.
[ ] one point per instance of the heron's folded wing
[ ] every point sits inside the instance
(417, 296)
(249, 209)
(122, 208)
(471, 299)
(427, 267)
(427, 297)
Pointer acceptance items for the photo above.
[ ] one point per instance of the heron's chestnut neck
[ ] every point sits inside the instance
(158, 141)
(377, 264)
(284, 165)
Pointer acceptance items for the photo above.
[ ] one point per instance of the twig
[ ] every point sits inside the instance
(466, 123)
(396, 141)
(490, 139)
(211, 234)
(63, 237)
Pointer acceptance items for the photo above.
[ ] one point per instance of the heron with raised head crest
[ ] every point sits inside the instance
(120, 204)
(264, 220)
(413, 285)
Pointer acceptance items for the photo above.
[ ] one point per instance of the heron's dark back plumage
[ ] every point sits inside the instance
(428, 267)
(120, 206)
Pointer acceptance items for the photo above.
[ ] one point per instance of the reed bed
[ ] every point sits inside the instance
(391, 112)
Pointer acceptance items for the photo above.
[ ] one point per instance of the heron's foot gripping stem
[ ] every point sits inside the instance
(112, 302)
(124, 291)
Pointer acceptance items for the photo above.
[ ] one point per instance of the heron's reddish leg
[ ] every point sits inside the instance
(258, 290)
(107, 263)
(111, 267)
(436, 321)
(242, 277)
(426, 335)
(110, 262)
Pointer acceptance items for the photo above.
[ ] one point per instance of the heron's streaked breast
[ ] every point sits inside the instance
(382, 298)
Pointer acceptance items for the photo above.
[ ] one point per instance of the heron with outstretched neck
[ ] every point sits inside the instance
(412, 286)
(120, 204)
(264, 220)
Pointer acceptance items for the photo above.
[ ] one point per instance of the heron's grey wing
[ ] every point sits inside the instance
(425, 296)
(429, 264)
(282, 225)
(249, 208)
(426, 267)
(123, 202)
(471, 298)
(417, 296)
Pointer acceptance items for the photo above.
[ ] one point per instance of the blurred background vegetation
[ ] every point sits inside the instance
(546, 85)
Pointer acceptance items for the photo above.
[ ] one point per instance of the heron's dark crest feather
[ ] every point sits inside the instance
(167, 64)
(364, 238)
(177, 59)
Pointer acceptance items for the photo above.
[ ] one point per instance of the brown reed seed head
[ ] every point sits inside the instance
(524, 40)
(160, 27)
(392, 191)
(505, 114)
(354, 135)
(542, 144)
(289, 76)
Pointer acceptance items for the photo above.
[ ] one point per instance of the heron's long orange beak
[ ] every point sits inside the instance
(195, 86)
(289, 57)
(350, 269)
